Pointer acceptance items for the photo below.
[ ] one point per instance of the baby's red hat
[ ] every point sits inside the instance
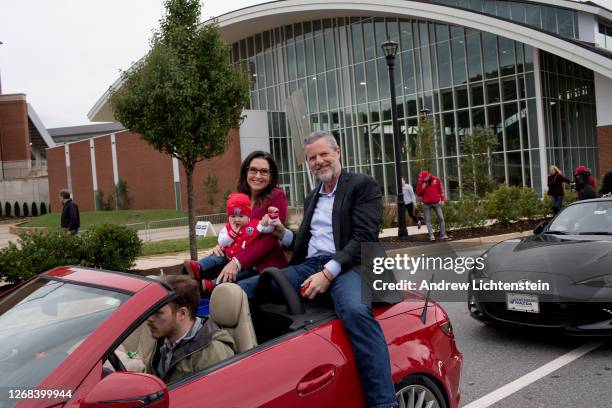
(238, 204)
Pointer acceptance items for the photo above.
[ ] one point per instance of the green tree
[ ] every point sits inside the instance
(475, 160)
(184, 96)
(424, 150)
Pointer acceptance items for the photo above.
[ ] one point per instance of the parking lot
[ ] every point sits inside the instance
(512, 367)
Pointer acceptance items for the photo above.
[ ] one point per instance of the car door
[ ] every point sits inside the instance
(296, 370)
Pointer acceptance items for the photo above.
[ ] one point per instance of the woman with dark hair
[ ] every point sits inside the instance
(259, 181)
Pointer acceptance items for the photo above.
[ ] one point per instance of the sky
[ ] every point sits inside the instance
(64, 54)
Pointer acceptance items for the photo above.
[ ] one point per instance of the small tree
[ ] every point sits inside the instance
(224, 201)
(424, 154)
(34, 210)
(16, 209)
(475, 160)
(211, 188)
(43, 209)
(125, 200)
(184, 96)
(26, 211)
(7, 209)
(100, 200)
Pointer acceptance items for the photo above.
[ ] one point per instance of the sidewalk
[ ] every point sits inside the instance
(166, 260)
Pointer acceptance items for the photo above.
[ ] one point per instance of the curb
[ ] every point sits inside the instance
(459, 244)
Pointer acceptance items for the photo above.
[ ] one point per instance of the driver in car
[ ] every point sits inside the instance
(185, 344)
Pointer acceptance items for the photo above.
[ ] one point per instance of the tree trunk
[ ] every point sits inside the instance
(193, 246)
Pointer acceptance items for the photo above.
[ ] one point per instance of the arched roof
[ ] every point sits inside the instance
(248, 21)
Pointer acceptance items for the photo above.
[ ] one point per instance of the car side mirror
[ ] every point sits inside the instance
(540, 227)
(127, 390)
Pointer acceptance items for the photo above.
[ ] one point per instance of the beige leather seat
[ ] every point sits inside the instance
(229, 308)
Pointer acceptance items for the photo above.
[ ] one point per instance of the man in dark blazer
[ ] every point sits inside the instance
(343, 212)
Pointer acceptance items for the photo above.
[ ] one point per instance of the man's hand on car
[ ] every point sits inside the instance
(317, 284)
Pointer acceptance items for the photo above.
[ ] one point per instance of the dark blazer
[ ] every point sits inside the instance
(356, 217)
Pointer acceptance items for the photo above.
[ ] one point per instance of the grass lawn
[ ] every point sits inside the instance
(175, 245)
(89, 218)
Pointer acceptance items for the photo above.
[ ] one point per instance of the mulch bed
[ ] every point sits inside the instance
(464, 233)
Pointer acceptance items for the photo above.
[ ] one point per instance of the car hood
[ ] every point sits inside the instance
(574, 257)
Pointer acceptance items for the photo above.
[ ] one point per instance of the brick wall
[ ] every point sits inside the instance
(104, 165)
(604, 145)
(14, 134)
(148, 173)
(81, 175)
(57, 176)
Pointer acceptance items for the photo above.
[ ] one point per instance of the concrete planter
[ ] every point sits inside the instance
(17, 229)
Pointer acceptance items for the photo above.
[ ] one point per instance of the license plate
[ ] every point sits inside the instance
(520, 302)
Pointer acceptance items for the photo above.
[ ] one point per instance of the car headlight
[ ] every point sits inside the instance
(604, 281)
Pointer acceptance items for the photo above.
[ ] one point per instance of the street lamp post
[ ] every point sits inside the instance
(390, 50)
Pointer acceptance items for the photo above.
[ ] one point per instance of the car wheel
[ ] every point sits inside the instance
(417, 391)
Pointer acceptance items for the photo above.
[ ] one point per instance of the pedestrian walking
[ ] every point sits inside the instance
(70, 220)
(555, 187)
(410, 202)
(429, 188)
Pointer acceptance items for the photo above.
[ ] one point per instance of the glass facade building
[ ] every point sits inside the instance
(464, 77)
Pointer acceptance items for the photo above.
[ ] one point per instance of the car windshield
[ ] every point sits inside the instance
(45, 321)
(584, 219)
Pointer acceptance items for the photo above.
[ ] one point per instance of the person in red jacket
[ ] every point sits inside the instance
(240, 231)
(431, 192)
(584, 183)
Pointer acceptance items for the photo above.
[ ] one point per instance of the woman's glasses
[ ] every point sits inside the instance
(262, 172)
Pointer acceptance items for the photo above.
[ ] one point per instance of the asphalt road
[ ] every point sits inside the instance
(497, 356)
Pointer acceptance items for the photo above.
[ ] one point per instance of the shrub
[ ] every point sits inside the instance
(501, 204)
(99, 200)
(125, 200)
(388, 217)
(34, 210)
(16, 209)
(37, 252)
(26, 211)
(111, 246)
(224, 201)
(7, 209)
(43, 209)
(110, 203)
(470, 212)
(530, 205)
(106, 246)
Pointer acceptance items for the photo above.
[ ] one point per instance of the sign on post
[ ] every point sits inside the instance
(205, 229)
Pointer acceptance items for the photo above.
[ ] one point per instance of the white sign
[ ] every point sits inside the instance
(205, 229)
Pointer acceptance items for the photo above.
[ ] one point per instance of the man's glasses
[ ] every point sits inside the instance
(255, 170)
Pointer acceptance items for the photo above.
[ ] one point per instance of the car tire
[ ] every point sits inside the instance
(417, 391)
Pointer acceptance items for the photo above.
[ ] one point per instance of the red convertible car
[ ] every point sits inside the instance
(76, 337)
